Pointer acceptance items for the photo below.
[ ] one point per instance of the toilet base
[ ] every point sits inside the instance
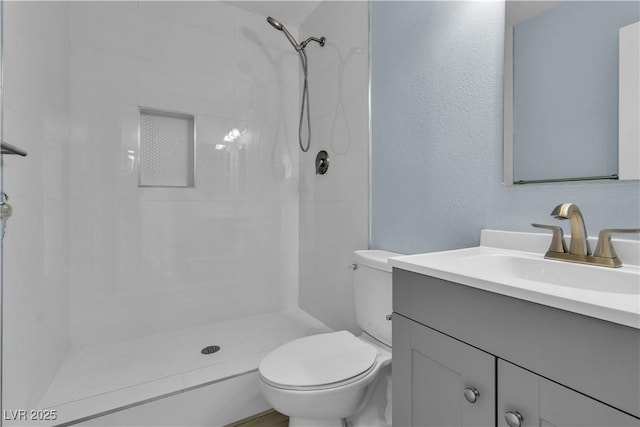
(375, 412)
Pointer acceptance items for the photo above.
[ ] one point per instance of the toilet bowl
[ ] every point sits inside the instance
(323, 376)
(325, 379)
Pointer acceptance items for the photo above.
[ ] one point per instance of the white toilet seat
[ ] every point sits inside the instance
(319, 362)
(319, 386)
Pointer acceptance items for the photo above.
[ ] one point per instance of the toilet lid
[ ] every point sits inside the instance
(318, 360)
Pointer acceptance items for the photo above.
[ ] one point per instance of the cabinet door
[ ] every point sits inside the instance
(431, 372)
(543, 403)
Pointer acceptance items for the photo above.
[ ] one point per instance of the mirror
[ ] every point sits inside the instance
(571, 91)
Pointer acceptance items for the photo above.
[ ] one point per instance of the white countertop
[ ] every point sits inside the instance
(513, 264)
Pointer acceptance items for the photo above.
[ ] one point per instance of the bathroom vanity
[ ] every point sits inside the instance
(476, 353)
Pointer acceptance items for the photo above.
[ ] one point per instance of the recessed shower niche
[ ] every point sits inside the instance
(167, 149)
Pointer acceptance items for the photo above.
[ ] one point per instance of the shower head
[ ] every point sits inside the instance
(275, 23)
(298, 46)
(278, 26)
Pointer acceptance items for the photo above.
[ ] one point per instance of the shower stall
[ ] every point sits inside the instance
(167, 230)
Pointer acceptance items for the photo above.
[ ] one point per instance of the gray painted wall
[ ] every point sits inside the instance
(436, 101)
(556, 55)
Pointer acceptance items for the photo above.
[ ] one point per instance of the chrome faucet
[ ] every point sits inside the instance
(579, 250)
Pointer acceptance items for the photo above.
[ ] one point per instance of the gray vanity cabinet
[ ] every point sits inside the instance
(543, 403)
(553, 367)
(440, 381)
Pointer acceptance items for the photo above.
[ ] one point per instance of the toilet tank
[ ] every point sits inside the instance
(372, 292)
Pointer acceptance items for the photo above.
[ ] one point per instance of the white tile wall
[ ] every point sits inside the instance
(334, 208)
(36, 245)
(103, 76)
(175, 89)
(105, 26)
(215, 17)
(148, 259)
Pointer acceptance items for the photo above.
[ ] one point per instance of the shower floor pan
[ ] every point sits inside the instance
(107, 378)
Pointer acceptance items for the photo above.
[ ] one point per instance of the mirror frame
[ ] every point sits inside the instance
(507, 150)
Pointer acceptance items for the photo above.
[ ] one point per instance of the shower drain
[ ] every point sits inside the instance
(210, 349)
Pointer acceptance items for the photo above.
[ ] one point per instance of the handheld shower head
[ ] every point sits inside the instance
(275, 23)
(278, 26)
(297, 46)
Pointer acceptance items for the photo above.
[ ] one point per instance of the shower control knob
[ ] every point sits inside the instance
(513, 419)
(471, 394)
(389, 316)
(353, 267)
(322, 162)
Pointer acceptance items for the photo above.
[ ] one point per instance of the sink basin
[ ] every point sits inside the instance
(513, 264)
(579, 276)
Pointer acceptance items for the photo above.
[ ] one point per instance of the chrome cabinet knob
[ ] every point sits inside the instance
(471, 394)
(513, 418)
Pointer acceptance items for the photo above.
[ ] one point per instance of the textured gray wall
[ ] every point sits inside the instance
(436, 154)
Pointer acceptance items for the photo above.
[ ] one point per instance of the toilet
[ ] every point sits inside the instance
(337, 379)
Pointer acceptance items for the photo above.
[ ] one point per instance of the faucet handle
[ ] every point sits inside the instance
(557, 241)
(604, 248)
